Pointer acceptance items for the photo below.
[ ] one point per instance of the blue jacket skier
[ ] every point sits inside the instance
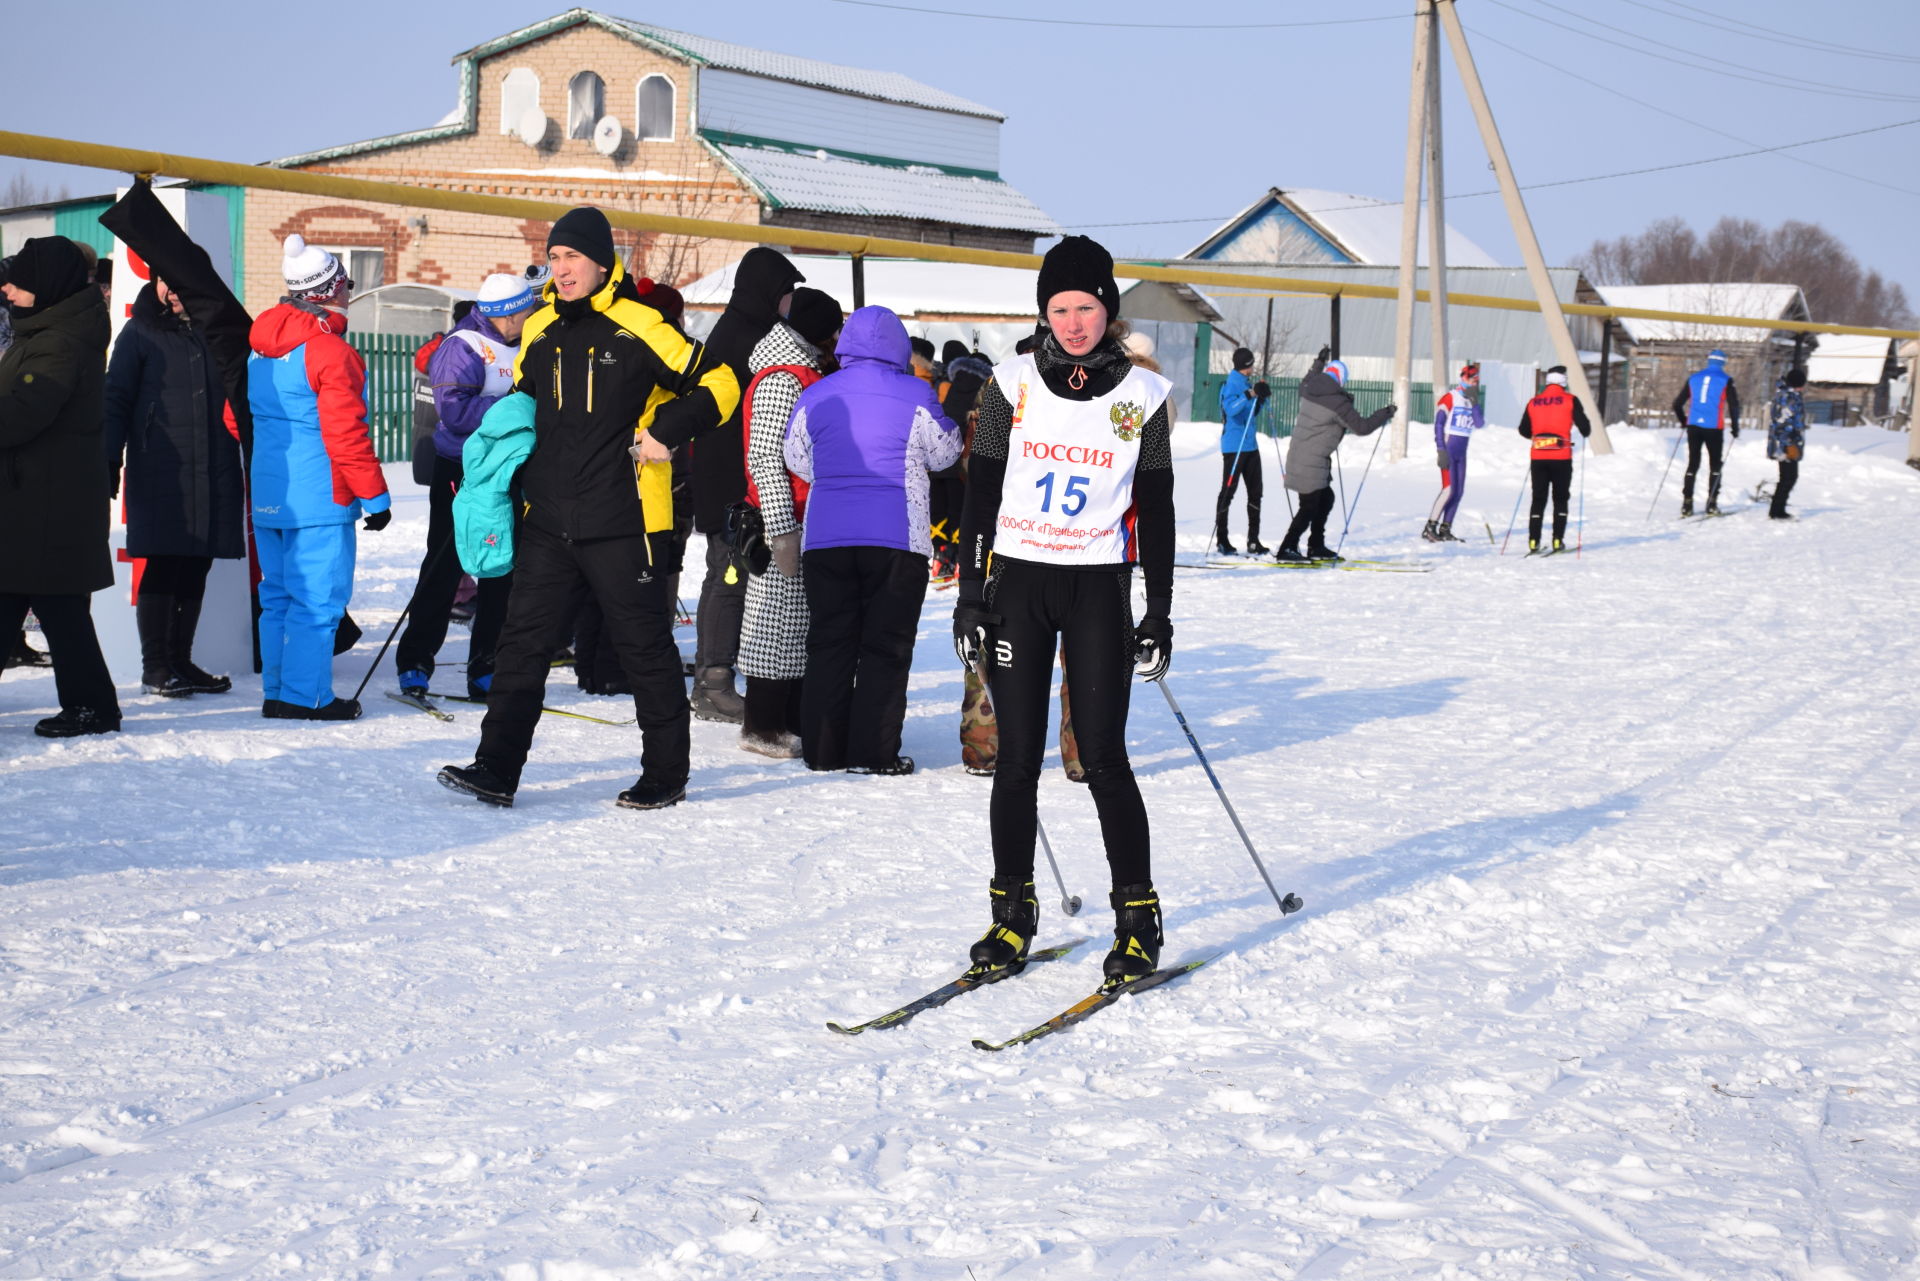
(1241, 400)
(1708, 406)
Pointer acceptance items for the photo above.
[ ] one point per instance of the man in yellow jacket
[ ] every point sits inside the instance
(616, 390)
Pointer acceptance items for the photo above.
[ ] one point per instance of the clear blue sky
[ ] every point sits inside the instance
(1116, 125)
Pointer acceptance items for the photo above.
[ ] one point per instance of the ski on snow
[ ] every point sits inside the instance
(1099, 1000)
(1351, 566)
(419, 703)
(941, 995)
(550, 711)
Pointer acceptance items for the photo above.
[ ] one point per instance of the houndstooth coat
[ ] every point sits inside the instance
(773, 634)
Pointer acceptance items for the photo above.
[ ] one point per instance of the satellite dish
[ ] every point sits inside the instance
(532, 126)
(608, 135)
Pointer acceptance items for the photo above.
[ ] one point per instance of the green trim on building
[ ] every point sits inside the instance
(81, 223)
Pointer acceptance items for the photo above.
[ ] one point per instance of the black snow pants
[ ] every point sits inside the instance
(1789, 476)
(1314, 510)
(863, 607)
(1087, 615)
(551, 576)
(1235, 468)
(80, 678)
(1713, 440)
(1555, 476)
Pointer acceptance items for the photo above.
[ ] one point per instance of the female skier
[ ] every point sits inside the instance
(1455, 419)
(1057, 514)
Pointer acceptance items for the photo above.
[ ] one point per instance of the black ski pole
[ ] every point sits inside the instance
(433, 563)
(1357, 492)
(1288, 903)
(1069, 903)
(1668, 472)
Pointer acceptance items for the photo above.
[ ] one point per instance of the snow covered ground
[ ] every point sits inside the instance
(1607, 969)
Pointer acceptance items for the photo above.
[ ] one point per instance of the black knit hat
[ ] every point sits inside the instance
(922, 348)
(815, 316)
(1079, 263)
(587, 230)
(1242, 358)
(1796, 377)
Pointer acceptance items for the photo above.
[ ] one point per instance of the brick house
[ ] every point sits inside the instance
(687, 125)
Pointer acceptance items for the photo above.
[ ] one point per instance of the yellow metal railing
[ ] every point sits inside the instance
(97, 156)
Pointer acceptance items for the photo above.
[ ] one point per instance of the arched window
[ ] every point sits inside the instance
(586, 103)
(653, 110)
(519, 94)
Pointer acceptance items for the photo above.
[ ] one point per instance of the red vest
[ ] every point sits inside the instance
(808, 377)
(1550, 415)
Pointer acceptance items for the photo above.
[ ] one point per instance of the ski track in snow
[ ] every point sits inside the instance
(1607, 970)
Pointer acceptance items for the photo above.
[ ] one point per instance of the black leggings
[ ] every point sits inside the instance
(181, 577)
(1713, 440)
(1789, 475)
(1090, 612)
(1235, 468)
(1314, 510)
(1550, 475)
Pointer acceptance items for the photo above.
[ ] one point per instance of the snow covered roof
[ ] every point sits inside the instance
(1363, 229)
(1755, 301)
(825, 182)
(888, 86)
(1848, 358)
(903, 286)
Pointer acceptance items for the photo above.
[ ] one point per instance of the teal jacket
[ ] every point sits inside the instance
(483, 509)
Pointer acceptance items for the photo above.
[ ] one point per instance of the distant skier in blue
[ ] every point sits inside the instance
(1241, 400)
(1708, 407)
(1455, 418)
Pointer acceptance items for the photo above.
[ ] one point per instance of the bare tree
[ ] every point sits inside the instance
(676, 259)
(1738, 250)
(21, 189)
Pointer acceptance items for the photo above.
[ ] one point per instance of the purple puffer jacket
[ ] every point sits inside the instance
(866, 437)
(459, 380)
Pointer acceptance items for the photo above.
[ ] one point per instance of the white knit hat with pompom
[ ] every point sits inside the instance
(308, 269)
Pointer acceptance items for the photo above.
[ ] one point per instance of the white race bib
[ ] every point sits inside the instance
(1068, 494)
(499, 358)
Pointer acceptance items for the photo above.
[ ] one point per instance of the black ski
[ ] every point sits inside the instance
(416, 701)
(1098, 1001)
(941, 995)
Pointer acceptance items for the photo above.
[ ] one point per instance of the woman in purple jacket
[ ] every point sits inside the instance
(865, 439)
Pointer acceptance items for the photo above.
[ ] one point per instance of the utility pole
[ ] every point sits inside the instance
(1442, 374)
(1550, 312)
(1410, 231)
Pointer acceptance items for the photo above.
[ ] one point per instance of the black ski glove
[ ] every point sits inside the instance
(1326, 354)
(971, 619)
(1736, 432)
(377, 521)
(1153, 641)
(1261, 391)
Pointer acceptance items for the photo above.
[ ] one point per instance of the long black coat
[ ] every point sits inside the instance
(163, 409)
(720, 456)
(53, 480)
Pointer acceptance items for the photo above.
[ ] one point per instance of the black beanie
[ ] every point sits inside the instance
(1796, 377)
(815, 316)
(51, 268)
(1242, 358)
(952, 351)
(587, 230)
(923, 349)
(1079, 263)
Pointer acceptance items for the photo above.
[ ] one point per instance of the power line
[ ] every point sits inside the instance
(1563, 182)
(1788, 38)
(1777, 83)
(1128, 26)
(1673, 115)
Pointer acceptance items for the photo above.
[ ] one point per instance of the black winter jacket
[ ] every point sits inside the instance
(185, 495)
(719, 458)
(53, 481)
(597, 370)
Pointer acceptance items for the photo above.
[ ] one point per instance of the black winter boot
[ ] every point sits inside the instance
(1431, 532)
(153, 616)
(651, 794)
(1136, 933)
(714, 698)
(1289, 555)
(1016, 919)
(1443, 533)
(479, 781)
(186, 621)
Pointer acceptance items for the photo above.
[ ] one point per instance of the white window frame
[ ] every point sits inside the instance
(578, 129)
(347, 254)
(673, 109)
(519, 91)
